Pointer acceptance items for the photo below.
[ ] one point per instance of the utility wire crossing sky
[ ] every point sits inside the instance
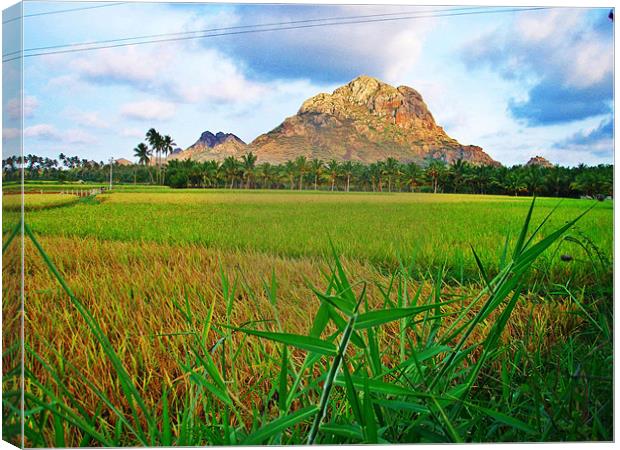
(519, 82)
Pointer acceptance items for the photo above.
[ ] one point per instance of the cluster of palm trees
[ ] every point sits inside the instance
(39, 167)
(392, 176)
(302, 173)
(160, 147)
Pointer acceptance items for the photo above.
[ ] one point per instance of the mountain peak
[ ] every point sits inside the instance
(212, 146)
(210, 140)
(539, 161)
(364, 120)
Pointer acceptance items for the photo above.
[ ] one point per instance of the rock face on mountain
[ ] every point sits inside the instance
(539, 161)
(123, 162)
(212, 147)
(367, 121)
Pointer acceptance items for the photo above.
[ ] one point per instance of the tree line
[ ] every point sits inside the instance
(391, 175)
(312, 174)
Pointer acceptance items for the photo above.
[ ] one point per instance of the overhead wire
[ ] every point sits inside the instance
(282, 28)
(238, 27)
(45, 13)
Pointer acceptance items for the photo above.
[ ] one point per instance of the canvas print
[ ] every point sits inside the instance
(306, 224)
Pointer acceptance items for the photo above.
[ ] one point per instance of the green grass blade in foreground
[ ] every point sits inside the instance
(281, 424)
(508, 279)
(379, 317)
(341, 279)
(12, 236)
(296, 340)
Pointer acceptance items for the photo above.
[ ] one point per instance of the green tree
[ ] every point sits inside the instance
(248, 164)
(412, 175)
(230, 168)
(391, 169)
(333, 170)
(301, 164)
(316, 169)
(434, 171)
(347, 171)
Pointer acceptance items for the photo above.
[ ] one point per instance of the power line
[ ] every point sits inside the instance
(278, 29)
(210, 30)
(63, 11)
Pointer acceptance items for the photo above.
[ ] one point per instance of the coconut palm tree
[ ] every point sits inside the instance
(434, 171)
(248, 163)
(289, 170)
(333, 170)
(457, 172)
(155, 140)
(142, 152)
(412, 175)
(301, 164)
(514, 183)
(346, 168)
(230, 167)
(316, 169)
(391, 169)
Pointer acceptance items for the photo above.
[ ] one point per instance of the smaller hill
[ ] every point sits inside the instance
(539, 161)
(123, 162)
(211, 146)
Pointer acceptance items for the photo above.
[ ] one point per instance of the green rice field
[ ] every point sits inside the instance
(220, 317)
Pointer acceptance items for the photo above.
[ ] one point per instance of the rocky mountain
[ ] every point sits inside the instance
(367, 121)
(539, 161)
(123, 162)
(212, 146)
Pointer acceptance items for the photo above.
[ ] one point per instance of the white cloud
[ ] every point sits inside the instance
(47, 132)
(42, 131)
(15, 107)
(132, 132)
(148, 110)
(90, 119)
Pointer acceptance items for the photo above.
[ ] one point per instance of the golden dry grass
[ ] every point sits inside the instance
(131, 289)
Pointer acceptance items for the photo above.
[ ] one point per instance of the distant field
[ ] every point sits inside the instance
(36, 201)
(165, 273)
(433, 230)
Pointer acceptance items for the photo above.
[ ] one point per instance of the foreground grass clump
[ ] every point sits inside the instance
(195, 346)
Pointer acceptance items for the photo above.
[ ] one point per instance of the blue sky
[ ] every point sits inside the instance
(517, 84)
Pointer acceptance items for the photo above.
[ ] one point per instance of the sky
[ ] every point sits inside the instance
(518, 84)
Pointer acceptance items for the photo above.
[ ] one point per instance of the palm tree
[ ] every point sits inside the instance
(347, 170)
(514, 183)
(434, 171)
(267, 172)
(374, 174)
(391, 168)
(248, 162)
(142, 152)
(167, 145)
(333, 170)
(301, 164)
(412, 174)
(156, 142)
(230, 167)
(288, 171)
(316, 169)
(209, 171)
(457, 173)
(533, 179)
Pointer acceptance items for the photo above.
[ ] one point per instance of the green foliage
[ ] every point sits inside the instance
(432, 175)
